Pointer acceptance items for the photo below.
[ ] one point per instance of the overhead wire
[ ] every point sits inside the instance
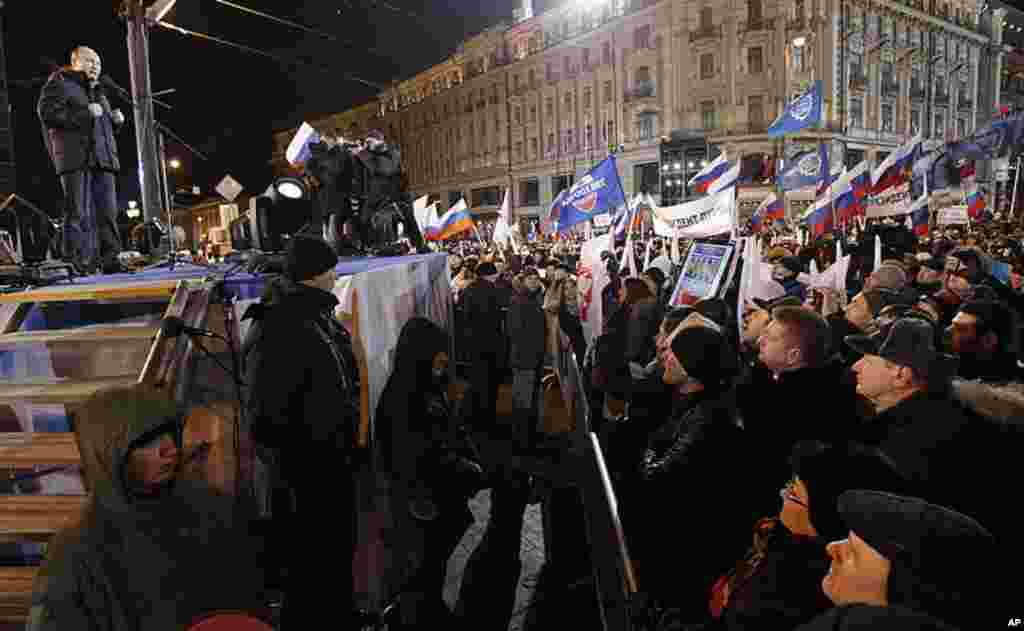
(262, 53)
(302, 27)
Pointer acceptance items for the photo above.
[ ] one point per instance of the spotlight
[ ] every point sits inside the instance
(290, 188)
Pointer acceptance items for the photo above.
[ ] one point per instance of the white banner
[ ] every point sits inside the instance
(954, 215)
(699, 219)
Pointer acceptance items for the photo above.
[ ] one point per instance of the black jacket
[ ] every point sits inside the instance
(75, 139)
(526, 329)
(807, 404)
(334, 167)
(379, 179)
(695, 458)
(483, 315)
(302, 375)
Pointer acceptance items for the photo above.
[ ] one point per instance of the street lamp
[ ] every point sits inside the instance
(174, 163)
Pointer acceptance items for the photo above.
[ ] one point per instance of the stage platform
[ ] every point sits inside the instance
(61, 343)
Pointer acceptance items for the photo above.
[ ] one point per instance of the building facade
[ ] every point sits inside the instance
(535, 104)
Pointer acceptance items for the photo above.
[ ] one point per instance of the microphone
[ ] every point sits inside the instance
(173, 326)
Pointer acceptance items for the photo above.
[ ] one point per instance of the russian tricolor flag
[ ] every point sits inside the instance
(860, 180)
(919, 216)
(975, 204)
(709, 174)
(455, 221)
(298, 149)
(770, 210)
(898, 166)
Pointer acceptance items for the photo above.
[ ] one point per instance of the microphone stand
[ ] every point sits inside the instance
(162, 130)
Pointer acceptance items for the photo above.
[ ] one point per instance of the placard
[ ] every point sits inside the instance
(702, 273)
(954, 215)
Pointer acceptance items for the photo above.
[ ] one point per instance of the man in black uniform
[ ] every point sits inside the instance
(385, 204)
(332, 167)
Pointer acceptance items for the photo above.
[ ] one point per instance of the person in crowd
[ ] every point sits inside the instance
(778, 583)
(976, 267)
(655, 279)
(756, 317)
(569, 318)
(695, 446)
(150, 549)
(858, 318)
(889, 275)
(629, 338)
(985, 336)
(432, 470)
(796, 349)
(454, 264)
(785, 272)
(929, 426)
(907, 552)
(303, 387)
(482, 304)
(527, 331)
(930, 275)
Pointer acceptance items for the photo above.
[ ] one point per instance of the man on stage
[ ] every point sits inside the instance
(79, 127)
(385, 203)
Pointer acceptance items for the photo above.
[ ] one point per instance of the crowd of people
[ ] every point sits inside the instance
(819, 460)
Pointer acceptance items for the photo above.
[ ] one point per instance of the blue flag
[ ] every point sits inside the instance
(597, 192)
(802, 171)
(803, 112)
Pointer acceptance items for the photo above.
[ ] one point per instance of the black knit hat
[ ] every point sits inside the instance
(307, 257)
(705, 355)
(829, 470)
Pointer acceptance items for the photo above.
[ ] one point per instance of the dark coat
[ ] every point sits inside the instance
(302, 376)
(951, 444)
(131, 563)
(807, 404)
(526, 329)
(74, 138)
(379, 179)
(785, 588)
(334, 167)
(682, 552)
(483, 317)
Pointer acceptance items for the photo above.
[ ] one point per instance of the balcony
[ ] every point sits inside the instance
(890, 88)
(704, 33)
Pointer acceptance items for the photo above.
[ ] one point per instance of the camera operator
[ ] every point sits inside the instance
(384, 203)
(332, 167)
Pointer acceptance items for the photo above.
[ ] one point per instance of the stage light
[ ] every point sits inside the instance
(290, 188)
(174, 163)
(676, 166)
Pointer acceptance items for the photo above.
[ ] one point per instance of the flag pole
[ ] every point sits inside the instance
(1016, 179)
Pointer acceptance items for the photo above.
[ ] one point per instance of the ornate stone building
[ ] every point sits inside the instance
(534, 104)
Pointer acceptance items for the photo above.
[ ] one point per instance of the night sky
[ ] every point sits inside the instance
(228, 102)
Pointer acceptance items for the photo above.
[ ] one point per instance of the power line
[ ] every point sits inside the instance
(296, 25)
(262, 53)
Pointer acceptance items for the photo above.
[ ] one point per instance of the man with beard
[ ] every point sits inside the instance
(384, 203)
(79, 129)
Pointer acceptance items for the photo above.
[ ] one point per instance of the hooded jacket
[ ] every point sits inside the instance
(301, 373)
(133, 563)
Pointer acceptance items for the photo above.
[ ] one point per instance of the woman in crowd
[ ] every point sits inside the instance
(431, 468)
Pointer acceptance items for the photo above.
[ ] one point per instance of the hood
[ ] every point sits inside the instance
(111, 424)
(418, 343)
(281, 291)
(1004, 403)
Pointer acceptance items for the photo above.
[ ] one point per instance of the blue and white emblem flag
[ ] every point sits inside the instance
(298, 150)
(803, 112)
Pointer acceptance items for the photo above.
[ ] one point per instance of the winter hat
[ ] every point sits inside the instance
(829, 470)
(792, 263)
(486, 269)
(878, 299)
(891, 275)
(307, 257)
(705, 356)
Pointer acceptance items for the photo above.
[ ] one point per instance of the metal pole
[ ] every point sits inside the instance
(1016, 179)
(145, 136)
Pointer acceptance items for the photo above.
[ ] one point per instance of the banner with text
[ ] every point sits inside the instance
(699, 219)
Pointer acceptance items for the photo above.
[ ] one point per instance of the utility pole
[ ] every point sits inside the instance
(134, 14)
